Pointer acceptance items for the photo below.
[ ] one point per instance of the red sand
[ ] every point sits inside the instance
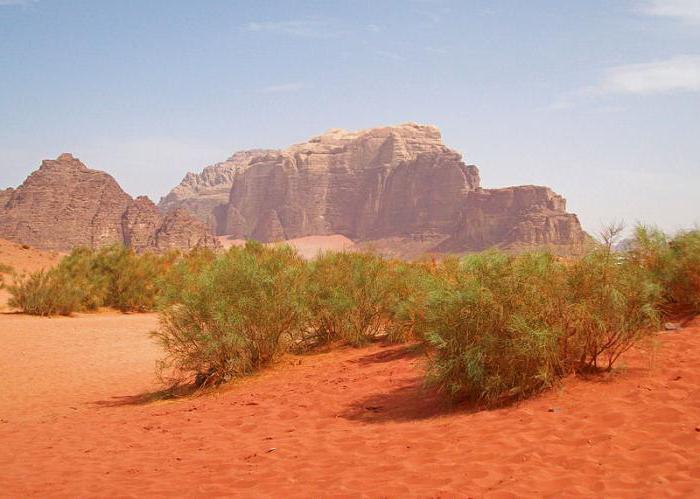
(345, 423)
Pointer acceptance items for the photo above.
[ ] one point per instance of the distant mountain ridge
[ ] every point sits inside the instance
(64, 204)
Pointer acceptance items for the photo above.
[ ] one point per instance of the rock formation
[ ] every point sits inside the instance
(399, 183)
(5, 195)
(64, 204)
(206, 194)
(179, 230)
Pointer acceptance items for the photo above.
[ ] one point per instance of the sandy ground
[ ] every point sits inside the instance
(26, 259)
(308, 247)
(346, 423)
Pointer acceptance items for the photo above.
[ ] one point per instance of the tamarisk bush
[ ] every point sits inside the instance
(492, 324)
(87, 279)
(356, 297)
(236, 315)
(673, 263)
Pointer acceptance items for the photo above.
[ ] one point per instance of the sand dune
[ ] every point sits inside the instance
(346, 423)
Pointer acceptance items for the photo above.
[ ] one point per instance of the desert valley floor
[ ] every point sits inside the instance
(76, 419)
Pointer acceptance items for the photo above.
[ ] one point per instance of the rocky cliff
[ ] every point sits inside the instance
(399, 183)
(64, 204)
(206, 194)
(5, 195)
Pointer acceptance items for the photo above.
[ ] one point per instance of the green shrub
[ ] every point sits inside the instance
(411, 284)
(88, 279)
(77, 270)
(491, 321)
(127, 281)
(46, 293)
(174, 282)
(235, 315)
(685, 286)
(357, 297)
(673, 263)
(613, 304)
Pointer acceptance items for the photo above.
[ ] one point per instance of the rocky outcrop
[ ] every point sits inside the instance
(515, 217)
(140, 223)
(180, 231)
(64, 204)
(5, 195)
(206, 194)
(398, 183)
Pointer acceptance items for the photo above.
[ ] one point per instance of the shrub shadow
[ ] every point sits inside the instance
(391, 353)
(411, 402)
(145, 398)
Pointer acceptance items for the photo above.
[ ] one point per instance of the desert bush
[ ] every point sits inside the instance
(46, 293)
(673, 263)
(235, 315)
(358, 297)
(684, 288)
(504, 326)
(129, 281)
(174, 282)
(410, 289)
(492, 323)
(88, 279)
(612, 304)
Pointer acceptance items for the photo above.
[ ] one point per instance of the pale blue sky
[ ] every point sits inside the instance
(599, 99)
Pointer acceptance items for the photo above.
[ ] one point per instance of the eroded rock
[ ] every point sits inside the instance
(64, 204)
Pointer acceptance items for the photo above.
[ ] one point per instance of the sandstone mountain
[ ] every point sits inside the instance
(64, 204)
(206, 194)
(5, 195)
(390, 186)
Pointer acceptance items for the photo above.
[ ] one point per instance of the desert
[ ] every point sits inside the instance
(408, 248)
(84, 411)
(332, 424)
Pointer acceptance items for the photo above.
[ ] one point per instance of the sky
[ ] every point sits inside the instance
(598, 99)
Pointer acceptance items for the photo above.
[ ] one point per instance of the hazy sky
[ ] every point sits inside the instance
(599, 99)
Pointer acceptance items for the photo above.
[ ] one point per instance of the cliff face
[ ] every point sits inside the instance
(515, 217)
(394, 182)
(359, 184)
(206, 194)
(64, 204)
